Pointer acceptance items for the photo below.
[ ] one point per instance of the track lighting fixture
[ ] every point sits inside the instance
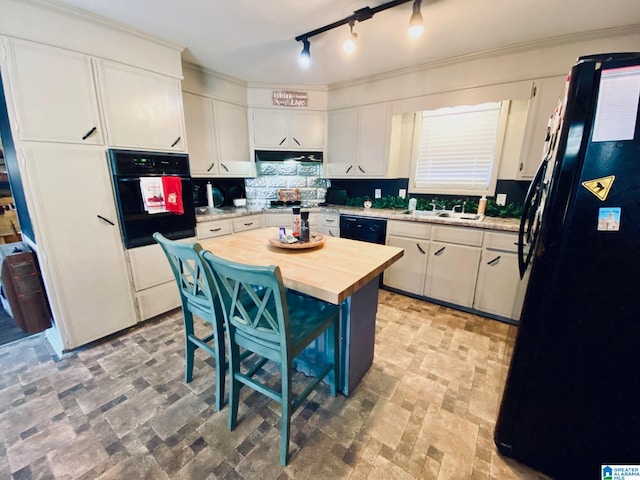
(415, 27)
(349, 45)
(416, 23)
(305, 55)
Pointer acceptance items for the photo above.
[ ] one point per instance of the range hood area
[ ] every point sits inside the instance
(286, 155)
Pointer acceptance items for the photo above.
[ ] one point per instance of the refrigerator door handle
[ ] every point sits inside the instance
(530, 203)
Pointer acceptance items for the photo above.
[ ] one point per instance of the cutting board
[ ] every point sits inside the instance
(289, 194)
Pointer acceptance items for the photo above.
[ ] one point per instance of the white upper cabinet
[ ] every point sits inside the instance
(218, 137)
(545, 95)
(54, 94)
(359, 141)
(287, 129)
(142, 109)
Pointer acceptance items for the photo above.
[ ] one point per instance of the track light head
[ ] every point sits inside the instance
(416, 23)
(349, 45)
(304, 60)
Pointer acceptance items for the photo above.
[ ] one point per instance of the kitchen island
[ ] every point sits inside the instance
(343, 272)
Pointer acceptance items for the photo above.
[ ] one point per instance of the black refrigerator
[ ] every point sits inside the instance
(571, 402)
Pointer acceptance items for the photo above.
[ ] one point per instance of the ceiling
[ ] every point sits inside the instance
(253, 40)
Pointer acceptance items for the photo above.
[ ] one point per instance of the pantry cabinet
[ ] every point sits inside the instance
(498, 276)
(359, 142)
(142, 109)
(54, 94)
(288, 129)
(80, 251)
(218, 138)
(408, 273)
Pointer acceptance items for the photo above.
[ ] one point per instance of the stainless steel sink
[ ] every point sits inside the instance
(446, 214)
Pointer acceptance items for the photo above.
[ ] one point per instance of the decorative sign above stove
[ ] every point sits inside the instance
(286, 98)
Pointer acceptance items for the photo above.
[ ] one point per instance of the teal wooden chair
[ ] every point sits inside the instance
(197, 294)
(277, 324)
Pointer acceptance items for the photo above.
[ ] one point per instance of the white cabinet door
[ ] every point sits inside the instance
(498, 276)
(78, 233)
(54, 94)
(142, 109)
(232, 140)
(545, 97)
(451, 273)
(199, 125)
(374, 131)
(408, 273)
(287, 129)
(270, 128)
(307, 130)
(249, 222)
(497, 286)
(359, 142)
(341, 145)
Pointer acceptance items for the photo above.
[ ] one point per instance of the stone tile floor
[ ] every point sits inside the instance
(120, 409)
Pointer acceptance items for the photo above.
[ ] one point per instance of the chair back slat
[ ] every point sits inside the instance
(253, 298)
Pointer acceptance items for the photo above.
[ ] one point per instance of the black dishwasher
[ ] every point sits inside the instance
(366, 229)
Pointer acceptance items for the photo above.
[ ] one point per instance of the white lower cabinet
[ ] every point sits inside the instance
(284, 218)
(80, 250)
(408, 273)
(248, 223)
(498, 276)
(213, 228)
(329, 224)
(452, 268)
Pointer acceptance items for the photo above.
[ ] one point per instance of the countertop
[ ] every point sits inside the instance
(488, 223)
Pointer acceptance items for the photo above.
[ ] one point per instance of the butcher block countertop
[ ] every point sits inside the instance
(331, 272)
(488, 223)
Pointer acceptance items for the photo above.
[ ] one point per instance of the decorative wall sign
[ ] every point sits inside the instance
(287, 98)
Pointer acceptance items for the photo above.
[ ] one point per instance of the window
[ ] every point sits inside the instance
(459, 149)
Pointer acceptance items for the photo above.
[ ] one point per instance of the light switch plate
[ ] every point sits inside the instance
(501, 199)
(402, 193)
(378, 193)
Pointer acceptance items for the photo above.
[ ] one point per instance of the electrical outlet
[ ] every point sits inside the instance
(501, 199)
(402, 193)
(378, 193)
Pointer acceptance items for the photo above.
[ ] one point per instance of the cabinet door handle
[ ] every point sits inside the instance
(350, 167)
(360, 168)
(106, 220)
(331, 233)
(420, 248)
(89, 133)
(224, 166)
(215, 229)
(282, 141)
(210, 167)
(329, 220)
(176, 142)
(248, 224)
(494, 261)
(440, 251)
(296, 140)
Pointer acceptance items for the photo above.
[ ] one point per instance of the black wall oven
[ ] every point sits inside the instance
(138, 222)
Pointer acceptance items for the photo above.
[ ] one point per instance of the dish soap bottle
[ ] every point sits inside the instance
(304, 227)
(482, 205)
(296, 222)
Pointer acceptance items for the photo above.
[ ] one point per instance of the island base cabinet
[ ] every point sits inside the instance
(79, 246)
(451, 273)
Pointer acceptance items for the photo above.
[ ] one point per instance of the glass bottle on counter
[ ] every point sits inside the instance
(304, 227)
(296, 222)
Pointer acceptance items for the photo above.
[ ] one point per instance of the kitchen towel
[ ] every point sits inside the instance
(152, 194)
(172, 188)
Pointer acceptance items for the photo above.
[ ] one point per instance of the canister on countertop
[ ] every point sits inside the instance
(296, 221)
(412, 204)
(304, 227)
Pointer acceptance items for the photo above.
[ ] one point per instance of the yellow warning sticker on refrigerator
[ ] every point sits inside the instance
(600, 187)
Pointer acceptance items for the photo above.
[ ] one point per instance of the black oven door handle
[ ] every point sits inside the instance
(106, 220)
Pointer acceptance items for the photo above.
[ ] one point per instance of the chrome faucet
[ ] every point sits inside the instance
(453, 209)
(435, 207)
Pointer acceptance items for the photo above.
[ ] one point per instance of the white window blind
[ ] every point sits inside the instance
(457, 149)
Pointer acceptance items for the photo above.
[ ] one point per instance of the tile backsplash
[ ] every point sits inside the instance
(307, 176)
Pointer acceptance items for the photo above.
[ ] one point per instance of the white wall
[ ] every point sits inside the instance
(489, 74)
